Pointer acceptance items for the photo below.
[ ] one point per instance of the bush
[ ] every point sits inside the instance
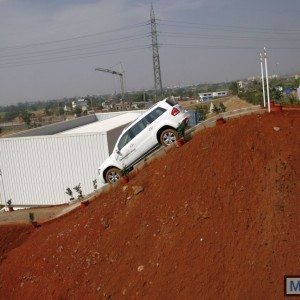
(78, 189)
(31, 217)
(201, 111)
(216, 109)
(222, 107)
(69, 193)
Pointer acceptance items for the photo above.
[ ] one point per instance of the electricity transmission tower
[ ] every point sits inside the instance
(156, 63)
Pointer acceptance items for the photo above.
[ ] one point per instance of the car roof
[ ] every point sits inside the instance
(143, 115)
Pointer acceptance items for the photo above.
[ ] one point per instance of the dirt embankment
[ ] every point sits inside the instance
(217, 218)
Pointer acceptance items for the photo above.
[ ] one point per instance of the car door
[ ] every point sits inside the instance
(139, 139)
(124, 148)
(152, 120)
(136, 146)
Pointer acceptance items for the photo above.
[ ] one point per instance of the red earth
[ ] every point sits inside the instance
(216, 218)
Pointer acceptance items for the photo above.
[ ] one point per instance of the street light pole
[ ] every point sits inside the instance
(267, 79)
(262, 79)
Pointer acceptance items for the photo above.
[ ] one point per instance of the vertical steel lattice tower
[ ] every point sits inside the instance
(156, 63)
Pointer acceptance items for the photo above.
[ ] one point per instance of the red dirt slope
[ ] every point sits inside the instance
(217, 218)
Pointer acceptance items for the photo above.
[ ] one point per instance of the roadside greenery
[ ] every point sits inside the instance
(253, 92)
(201, 111)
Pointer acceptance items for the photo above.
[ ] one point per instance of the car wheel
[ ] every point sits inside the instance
(168, 137)
(113, 175)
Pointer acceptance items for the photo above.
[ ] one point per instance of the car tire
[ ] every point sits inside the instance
(113, 175)
(168, 137)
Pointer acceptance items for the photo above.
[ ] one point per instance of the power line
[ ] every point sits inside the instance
(227, 27)
(223, 47)
(222, 37)
(142, 24)
(72, 57)
(71, 48)
(85, 50)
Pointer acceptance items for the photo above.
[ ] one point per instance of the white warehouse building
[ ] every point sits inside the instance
(38, 165)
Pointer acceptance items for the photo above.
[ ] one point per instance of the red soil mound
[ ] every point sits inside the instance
(12, 236)
(217, 218)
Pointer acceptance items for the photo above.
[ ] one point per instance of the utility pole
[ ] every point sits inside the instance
(267, 79)
(262, 79)
(155, 53)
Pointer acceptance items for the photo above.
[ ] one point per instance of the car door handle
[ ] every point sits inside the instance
(131, 145)
(150, 128)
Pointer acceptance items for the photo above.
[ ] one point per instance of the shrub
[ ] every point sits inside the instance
(95, 184)
(31, 217)
(70, 193)
(222, 107)
(216, 109)
(201, 111)
(78, 189)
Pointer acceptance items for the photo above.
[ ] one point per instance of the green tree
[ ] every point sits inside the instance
(233, 87)
(10, 115)
(278, 95)
(201, 111)
(47, 111)
(292, 98)
(222, 107)
(26, 117)
(216, 109)
(78, 111)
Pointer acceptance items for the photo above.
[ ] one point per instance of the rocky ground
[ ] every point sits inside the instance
(215, 218)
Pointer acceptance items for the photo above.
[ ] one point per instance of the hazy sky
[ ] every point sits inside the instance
(50, 48)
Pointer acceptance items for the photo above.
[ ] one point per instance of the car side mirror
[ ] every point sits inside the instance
(118, 151)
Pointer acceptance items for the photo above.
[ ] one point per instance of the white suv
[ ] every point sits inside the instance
(157, 126)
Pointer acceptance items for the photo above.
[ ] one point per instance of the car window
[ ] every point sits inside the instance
(138, 127)
(171, 102)
(125, 139)
(153, 115)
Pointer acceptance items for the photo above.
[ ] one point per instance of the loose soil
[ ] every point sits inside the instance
(231, 103)
(215, 218)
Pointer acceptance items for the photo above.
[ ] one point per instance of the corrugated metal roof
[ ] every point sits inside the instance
(106, 125)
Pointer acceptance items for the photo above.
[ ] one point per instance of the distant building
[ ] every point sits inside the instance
(67, 109)
(81, 102)
(252, 78)
(212, 95)
(220, 94)
(141, 105)
(298, 92)
(205, 96)
(123, 105)
(241, 84)
(107, 105)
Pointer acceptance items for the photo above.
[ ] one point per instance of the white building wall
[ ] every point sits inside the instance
(37, 170)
